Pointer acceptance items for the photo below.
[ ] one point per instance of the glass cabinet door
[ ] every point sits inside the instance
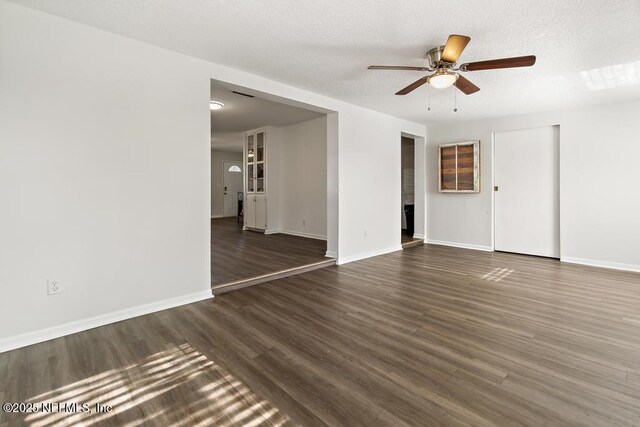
(260, 178)
(250, 149)
(260, 146)
(256, 163)
(260, 163)
(250, 164)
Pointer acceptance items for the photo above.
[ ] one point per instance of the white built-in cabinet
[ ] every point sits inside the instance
(255, 211)
(255, 159)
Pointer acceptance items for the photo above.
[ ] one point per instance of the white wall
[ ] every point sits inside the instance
(303, 178)
(273, 155)
(599, 196)
(227, 141)
(217, 179)
(370, 183)
(105, 174)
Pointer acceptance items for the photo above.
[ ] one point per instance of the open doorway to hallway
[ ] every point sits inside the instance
(408, 192)
(268, 188)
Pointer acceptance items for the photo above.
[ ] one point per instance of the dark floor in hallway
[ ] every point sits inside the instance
(238, 254)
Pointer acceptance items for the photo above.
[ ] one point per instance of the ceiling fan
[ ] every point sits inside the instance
(442, 61)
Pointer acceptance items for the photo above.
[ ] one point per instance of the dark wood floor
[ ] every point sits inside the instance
(237, 254)
(426, 336)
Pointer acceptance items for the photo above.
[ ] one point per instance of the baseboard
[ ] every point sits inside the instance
(302, 234)
(297, 233)
(460, 245)
(602, 264)
(216, 216)
(35, 337)
(357, 257)
(419, 236)
(331, 254)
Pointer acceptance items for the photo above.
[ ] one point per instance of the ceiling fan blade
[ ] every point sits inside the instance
(413, 86)
(396, 67)
(518, 61)
(465, 86)
(454, 47)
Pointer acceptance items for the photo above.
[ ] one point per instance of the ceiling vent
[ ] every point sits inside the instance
(243, 94)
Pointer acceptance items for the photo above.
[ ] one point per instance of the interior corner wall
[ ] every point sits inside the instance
(303, 178)
(217, 179)
(105, 175)
(599, 148)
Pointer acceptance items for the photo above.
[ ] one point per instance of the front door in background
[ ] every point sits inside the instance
(527, 191)
(232, 182)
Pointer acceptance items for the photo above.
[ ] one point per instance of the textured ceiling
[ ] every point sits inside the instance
(588, 51)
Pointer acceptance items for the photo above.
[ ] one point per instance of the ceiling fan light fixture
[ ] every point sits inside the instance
(443, 79)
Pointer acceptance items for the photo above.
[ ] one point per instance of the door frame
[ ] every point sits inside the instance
(493, 182)
(223, 186)
(419, 185)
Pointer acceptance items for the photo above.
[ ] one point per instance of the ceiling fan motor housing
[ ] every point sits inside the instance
(434, 56)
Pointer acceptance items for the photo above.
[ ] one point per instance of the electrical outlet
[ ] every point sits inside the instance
(364, 232)
(53, 287)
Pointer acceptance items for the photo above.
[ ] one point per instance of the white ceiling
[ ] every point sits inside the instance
(325, 46)
(232, 141)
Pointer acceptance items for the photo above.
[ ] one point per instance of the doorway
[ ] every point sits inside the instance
(407, 204)
(527, 191)
(270, 187)
(232, 188)
(412, 203)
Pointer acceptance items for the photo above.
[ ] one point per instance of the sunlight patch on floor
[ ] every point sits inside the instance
(200, 393)
(497, 274)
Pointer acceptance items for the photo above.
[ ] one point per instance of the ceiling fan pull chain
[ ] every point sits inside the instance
(455, 101)
(429, 105)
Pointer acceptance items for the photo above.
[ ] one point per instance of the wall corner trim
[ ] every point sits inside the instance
(29, 338)
(460, 245)
(602, 264)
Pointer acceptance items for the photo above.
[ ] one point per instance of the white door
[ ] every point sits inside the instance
(527, 189)
(232, 182)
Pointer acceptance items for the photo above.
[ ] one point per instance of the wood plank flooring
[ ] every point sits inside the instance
(426, 336)
(238, 255)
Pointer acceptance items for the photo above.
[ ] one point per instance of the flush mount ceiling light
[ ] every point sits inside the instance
(216, 105)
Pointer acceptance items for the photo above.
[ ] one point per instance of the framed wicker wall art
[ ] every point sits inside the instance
(459, 167)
